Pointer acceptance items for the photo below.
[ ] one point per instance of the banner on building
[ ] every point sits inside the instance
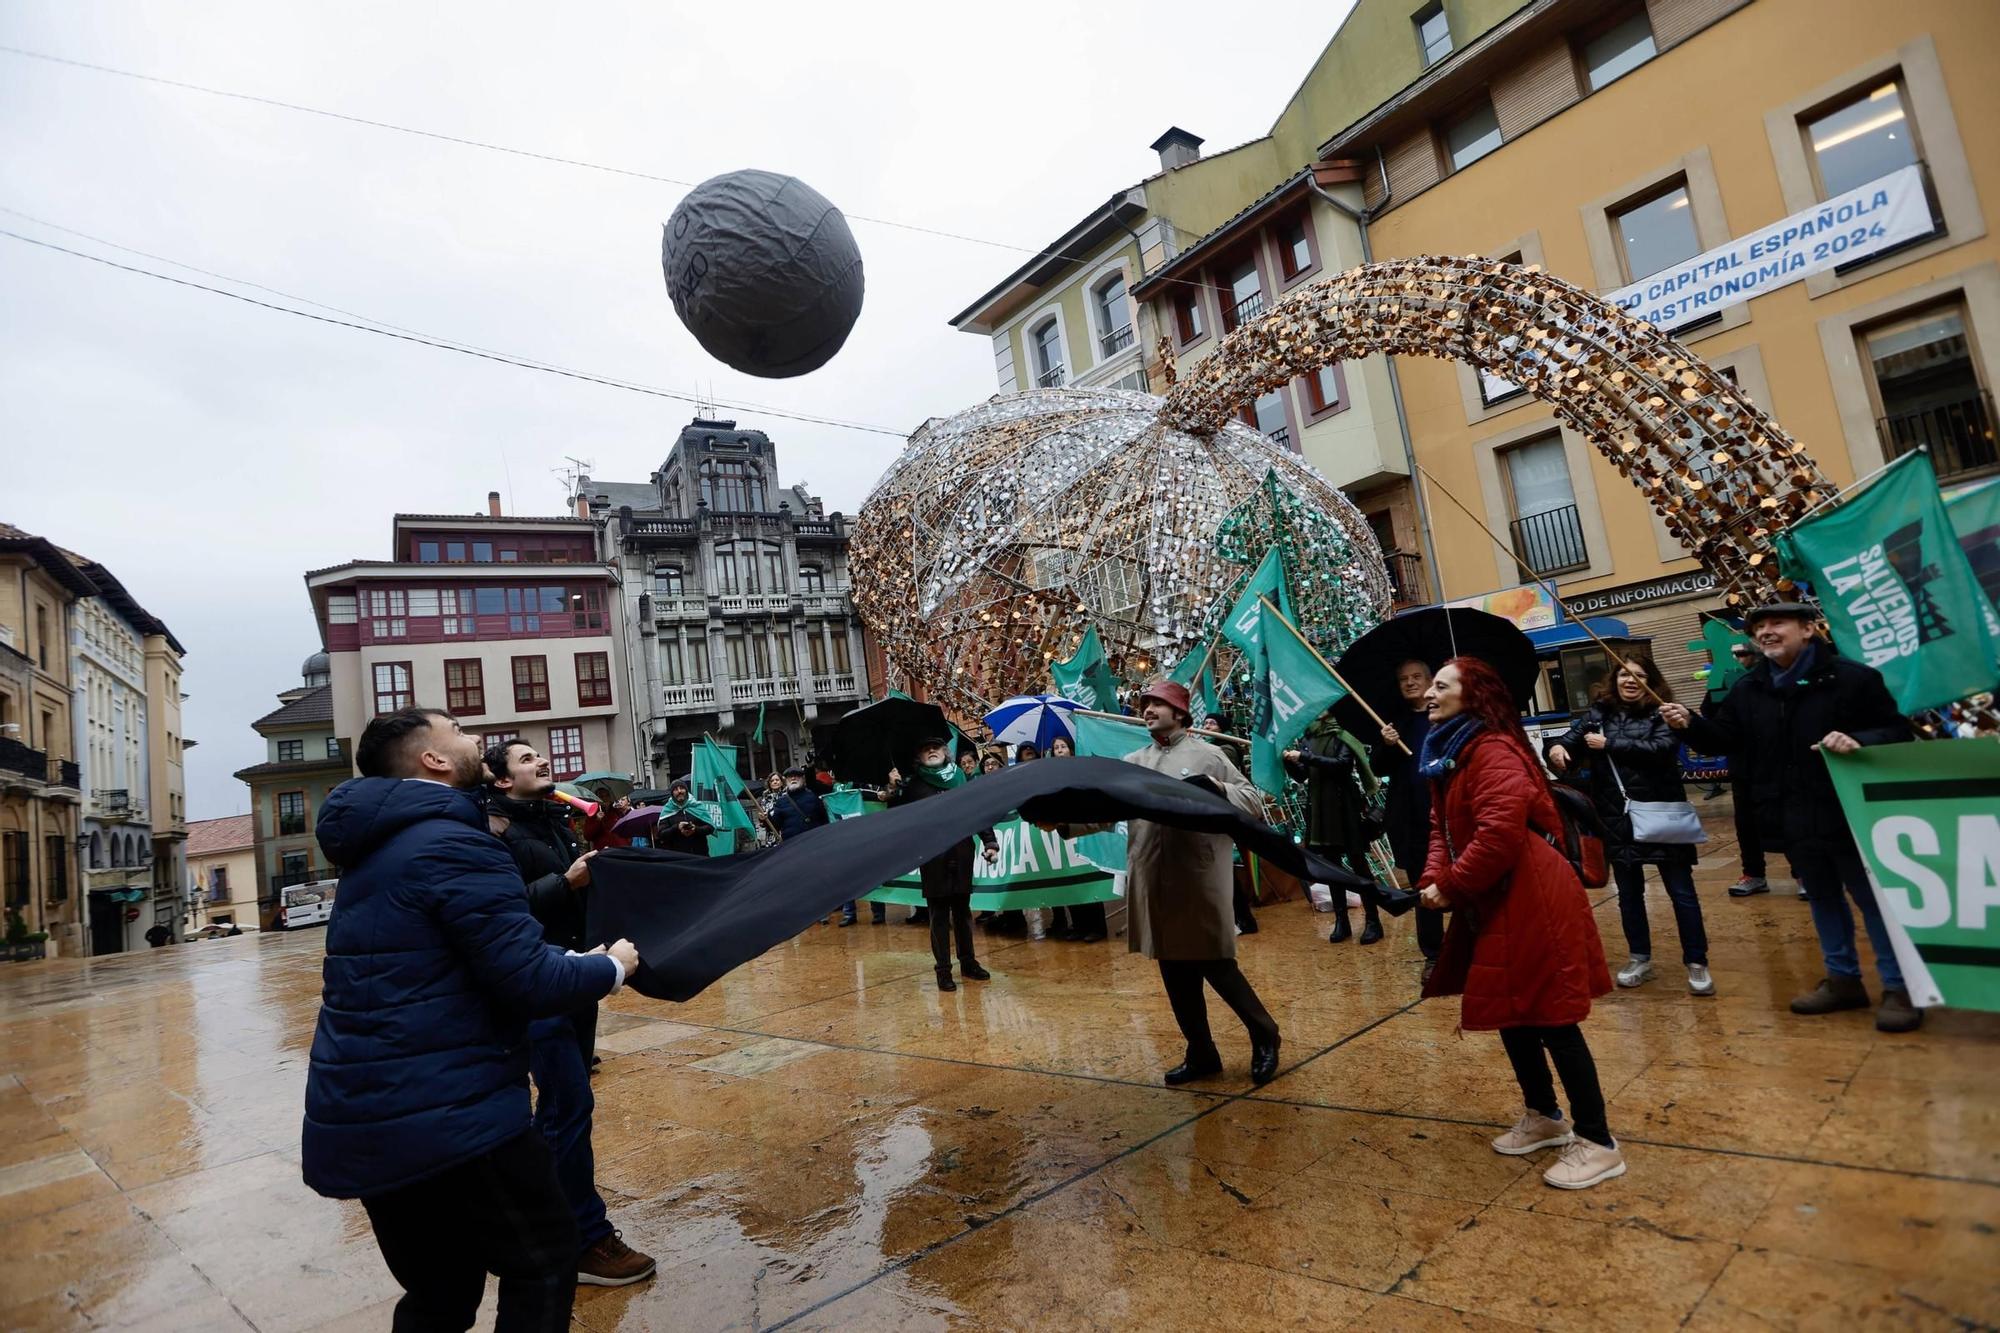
(1897, 589)
(1528, 606)
(1883, 213)
(1036, 868)
(1927, 816)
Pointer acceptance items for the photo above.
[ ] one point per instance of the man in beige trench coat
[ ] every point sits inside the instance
(1179, 888)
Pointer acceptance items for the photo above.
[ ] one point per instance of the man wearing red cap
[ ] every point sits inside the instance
(1178, 888)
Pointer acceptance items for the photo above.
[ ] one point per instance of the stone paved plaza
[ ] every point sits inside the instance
(824, 1141)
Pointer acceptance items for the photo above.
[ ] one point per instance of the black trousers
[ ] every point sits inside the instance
(1749, 841)
(951, 918)
(1566, 1046)
(1183, 980)
(1087, 918)
(503, 1213)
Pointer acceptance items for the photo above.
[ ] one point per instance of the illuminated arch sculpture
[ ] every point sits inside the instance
(1003, 531)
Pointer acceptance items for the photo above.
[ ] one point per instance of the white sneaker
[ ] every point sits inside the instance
(1637, 972)
(1583, 1164)
(1534, 1132)
(1699, 982)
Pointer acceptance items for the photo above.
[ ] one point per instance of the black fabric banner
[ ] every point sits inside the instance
(694, 919)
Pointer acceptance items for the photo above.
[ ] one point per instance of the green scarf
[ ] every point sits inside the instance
(945, 778)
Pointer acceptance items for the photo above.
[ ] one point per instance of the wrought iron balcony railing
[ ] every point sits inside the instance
(1552, 541)
(1959, 434)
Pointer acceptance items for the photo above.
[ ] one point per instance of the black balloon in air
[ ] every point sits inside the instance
(763, 272)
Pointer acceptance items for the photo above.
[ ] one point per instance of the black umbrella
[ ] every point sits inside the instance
(870, 741)
(1432, 635)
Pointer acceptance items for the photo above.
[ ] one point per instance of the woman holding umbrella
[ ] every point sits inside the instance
(1522, 948)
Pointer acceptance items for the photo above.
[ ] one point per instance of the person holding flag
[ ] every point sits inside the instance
(1336, 826)
(684, 824)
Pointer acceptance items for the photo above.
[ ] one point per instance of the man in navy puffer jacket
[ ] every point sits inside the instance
(417, 1096)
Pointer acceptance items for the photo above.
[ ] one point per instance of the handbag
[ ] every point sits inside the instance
(1672, 822)
(1581, 838)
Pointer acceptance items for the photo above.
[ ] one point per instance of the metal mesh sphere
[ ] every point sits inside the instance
(763, 272)
(1004, 532)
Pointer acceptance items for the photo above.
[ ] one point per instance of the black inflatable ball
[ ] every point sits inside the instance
(763, 272)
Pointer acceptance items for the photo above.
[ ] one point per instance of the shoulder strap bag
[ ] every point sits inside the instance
(1673, 822)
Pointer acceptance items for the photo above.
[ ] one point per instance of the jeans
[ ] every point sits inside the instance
(1183, 980)
(563, 1108)
(1631, 881)
(1749, 840)
(502, 1213)
(1821, 872)
(1566, 1046)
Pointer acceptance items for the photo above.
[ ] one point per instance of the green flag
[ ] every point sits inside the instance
(757, 736)
(1293, 689)
(1897, 589)
(1240, 627)
(1087, 677)
(1924, 813)
(1196, 672)
(1975, 516)
(716, 780)
(1107, 738)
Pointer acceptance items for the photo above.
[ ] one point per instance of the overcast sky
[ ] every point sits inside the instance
(209, 452)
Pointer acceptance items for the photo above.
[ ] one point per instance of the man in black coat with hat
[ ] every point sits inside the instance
(947, 879)
(1775, 722)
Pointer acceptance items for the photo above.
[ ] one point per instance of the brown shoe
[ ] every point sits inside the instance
(1897, 1014)
(1832, 995)
(613, 1263)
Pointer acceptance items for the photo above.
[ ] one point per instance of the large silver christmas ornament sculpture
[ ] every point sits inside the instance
(763, 272)
(1001, 534)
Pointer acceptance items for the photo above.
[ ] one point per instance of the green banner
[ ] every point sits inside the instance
(1087, 677)
(1975, 517)
(1197, 672)
(1035, 869)
(1927, 816)
(844, 803)
(1293, 689)
(1107, 738)
(1897, 590)
(1243, 624)
(717, 783)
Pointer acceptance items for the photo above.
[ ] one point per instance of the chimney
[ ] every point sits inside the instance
(1176, 148)
(493, 503)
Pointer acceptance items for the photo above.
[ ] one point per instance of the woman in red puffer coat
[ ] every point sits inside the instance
(1522, 947)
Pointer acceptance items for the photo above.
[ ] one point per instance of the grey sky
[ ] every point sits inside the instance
(209, 452)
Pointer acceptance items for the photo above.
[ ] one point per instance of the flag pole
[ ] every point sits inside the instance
(1352, 693)
(1537, 579)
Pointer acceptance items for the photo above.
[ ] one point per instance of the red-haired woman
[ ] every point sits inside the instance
(1521, 948)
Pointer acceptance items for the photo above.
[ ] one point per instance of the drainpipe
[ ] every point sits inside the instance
(1361, 220)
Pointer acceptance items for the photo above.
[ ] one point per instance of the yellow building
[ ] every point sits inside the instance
(222, 866)
(1614, 143)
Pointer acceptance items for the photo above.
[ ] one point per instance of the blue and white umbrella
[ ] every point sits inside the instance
(1037, 718)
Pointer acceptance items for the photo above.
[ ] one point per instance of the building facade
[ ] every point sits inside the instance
(223, 872)
(1568, 137)
(304, 760)
(733, 603)
(510, 623)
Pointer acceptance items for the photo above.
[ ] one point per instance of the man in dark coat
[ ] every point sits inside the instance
(1407, 807)
(417, 1092)
(1801, 699)
(684, 827)
(1336, 824)
(522, 812)
(947, 879)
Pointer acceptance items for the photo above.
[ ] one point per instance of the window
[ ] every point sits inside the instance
(671, 669)
(1547, 532)
(586, 608)
(840, 657)
(427, 553)
(1187, 315)
(1472, 136)
(1927, 391)
(566, 753)
(1244, 299)
(392, 687)
(1295, 254)
(1046, 345)
(731, 487)
(1114, 316)
(55, 854)
(1861, 140)
(812, 579)
(482, 553)
(667, 581)
(295, 867)
(1657, 233)
(14, 868)
(816, 653)
(531, 684)
(455, 605)
(454, 553)
(749, 656)
(774, 569)
(333, 750)
(218, 884)
(1323, 390)
(1433, 33)
(464, 687)
(291, 752)
(1267, 414)
(489, 739)
(1618, 50)
(593, 679)
(291, 813)
(388, 608)
(42, 636)
(725, 569)
(1492, 388)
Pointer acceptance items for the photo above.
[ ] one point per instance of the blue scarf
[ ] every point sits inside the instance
(1785, 678)
(1442, 743)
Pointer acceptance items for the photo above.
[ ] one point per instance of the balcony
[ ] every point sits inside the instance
(293, 878)
(681, 606)
(753, 603)
(1282, 437)
(691, 698)
(1052, 378)
(1551, 542)
(1247, 309)
(663, 527)
(1406, 578)
(1959, 434)
(65, 775)
(1116, 341)
(839, 685)
(22, 764)
(824, 528)
(763, 691)
(823, 603)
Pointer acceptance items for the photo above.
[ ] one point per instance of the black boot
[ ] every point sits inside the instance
(944, 979)
(1371, 932)
(1264, 1062)
(1199, 1064)
(1342, 932)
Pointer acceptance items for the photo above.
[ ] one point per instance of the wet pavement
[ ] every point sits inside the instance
(824, 1141)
